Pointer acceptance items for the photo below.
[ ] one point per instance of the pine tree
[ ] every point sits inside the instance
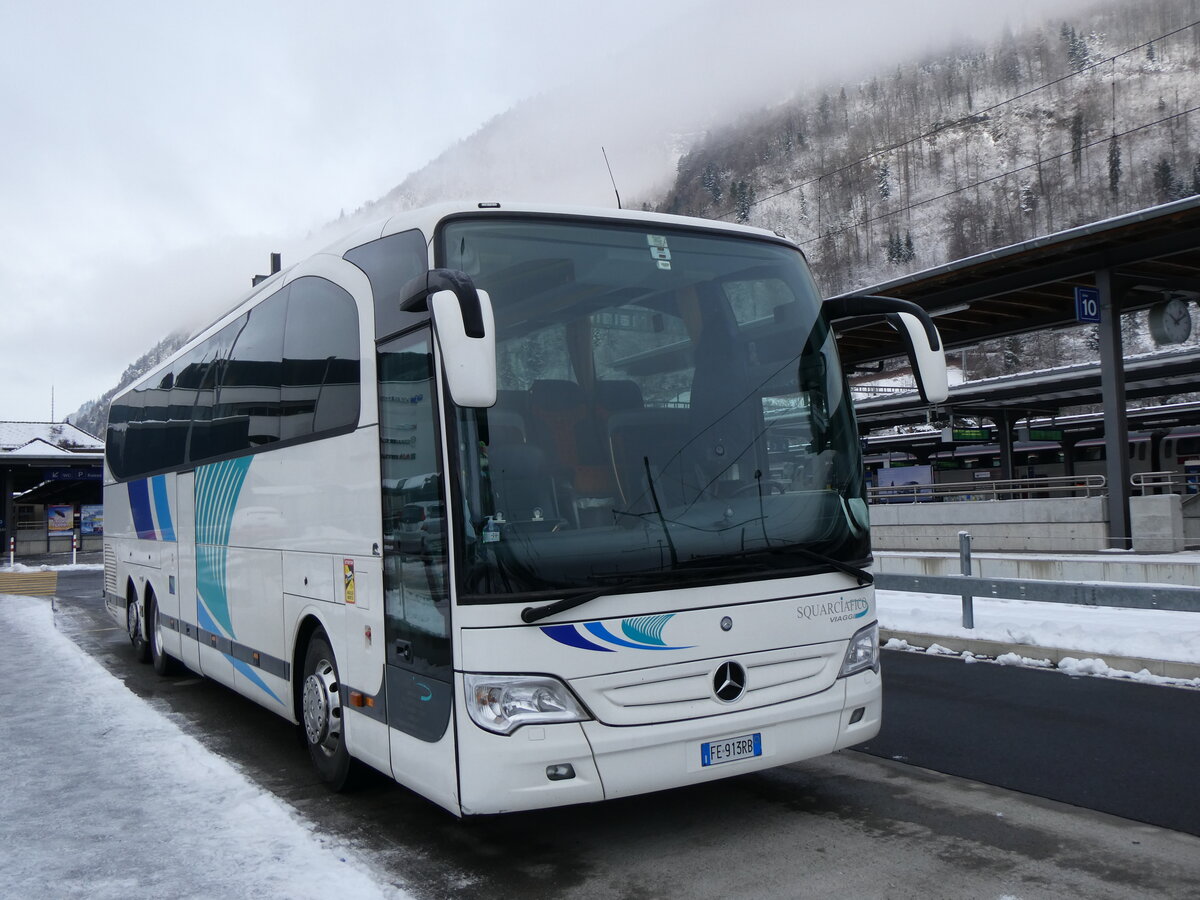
(1151, 56)
(1164, 181)
(743, 200)
(711, 179)
(1196, 176)
(883, 180)
(1077, 48)
(1114, 167)
(1077, 134)
(909, 253)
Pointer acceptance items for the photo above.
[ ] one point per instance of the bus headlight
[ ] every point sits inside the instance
(503, 703)
(863, 652)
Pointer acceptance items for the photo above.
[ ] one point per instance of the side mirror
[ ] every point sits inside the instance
(464, 328)
(470, 362)
(929, 361)
(921, 338)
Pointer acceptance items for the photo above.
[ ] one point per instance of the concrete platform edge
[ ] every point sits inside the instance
(993, 649)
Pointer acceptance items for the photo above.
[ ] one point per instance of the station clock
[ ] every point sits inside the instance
(1170, 321)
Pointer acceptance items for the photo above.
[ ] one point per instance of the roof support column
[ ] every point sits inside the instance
(1116, 426)
(6, 509)
(1004, 431)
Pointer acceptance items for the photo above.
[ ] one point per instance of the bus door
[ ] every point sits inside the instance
(419, 668)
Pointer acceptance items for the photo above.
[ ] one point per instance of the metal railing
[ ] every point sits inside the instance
(1165, 483)
(992, 489)
(1126, 595)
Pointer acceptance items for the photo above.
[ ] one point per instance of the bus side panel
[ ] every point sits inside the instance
(185, 526)
(361, 660)
(136, 540)
(165, 490)
(259, 658)
(119, 542)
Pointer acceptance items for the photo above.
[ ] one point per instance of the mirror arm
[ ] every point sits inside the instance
(416, 296)
(859, 305)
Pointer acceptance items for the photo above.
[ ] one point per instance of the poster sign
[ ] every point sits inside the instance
(908, 484)
(91, 519)
(60, 521)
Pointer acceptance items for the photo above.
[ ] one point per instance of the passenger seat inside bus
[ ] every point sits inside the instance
(565, 422)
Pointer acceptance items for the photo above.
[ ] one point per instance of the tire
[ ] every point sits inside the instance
(133, 625)
(163, 663)
(321, 718)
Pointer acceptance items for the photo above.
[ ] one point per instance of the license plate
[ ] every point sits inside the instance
(714, 753)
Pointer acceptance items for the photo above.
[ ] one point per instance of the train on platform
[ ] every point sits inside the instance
(1175, 450)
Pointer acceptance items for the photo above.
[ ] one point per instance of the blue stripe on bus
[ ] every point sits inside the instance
(139, 503)
(206, 622)
(566, 634)
(162, 507)
(252, 676)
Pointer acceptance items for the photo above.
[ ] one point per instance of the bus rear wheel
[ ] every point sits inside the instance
(163, 663)
(321, 714)
(133, 625)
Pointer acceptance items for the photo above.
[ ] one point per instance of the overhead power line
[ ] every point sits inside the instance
(963, 120)
(967, 187)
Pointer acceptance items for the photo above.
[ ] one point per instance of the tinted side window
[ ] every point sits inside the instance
(206, 440)
(289, 368)
(248, 396)
(125, 410)
(148, 437)
(320, 369)
(389, 264)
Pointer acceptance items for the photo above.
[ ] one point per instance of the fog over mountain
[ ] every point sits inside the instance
(713, 66)
(733, 96)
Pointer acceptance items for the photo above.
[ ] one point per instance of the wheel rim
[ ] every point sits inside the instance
(132, 625)
(323, 708)
(155, 633)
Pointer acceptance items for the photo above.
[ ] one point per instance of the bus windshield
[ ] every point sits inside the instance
(670, 410)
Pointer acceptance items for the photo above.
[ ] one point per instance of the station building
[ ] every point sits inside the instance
(51, 481)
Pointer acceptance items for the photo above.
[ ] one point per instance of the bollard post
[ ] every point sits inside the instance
(74, 548)
(968, 600)
(12, 548)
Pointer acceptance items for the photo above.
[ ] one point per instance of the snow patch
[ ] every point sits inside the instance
(130, 805)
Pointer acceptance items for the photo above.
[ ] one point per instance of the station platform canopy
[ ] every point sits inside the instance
(1149, 259)
(1030, 286)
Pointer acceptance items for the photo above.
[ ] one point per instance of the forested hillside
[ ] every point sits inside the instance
(979, 147)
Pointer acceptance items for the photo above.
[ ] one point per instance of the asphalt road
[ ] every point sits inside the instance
(1129, 749)
(851, 824)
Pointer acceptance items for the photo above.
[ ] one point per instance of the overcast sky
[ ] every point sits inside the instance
(154, 153)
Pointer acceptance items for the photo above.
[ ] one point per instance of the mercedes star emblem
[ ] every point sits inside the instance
(729, 682)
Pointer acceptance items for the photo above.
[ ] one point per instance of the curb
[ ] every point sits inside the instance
(993, 649)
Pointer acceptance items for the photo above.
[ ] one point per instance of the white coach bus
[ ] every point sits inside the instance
(520, 506)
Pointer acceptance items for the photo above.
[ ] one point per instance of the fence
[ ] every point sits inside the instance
(1125, 594)
(993, 489)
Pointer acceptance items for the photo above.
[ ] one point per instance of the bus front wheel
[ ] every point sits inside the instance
(321, 708)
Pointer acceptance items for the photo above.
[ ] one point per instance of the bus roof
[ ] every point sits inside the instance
(426, 218)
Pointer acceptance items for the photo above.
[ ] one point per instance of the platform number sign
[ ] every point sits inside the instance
(1087, 304)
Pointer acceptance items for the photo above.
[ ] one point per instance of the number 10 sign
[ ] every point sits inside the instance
(1087, 304)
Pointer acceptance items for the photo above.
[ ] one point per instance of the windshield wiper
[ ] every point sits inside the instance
(863, 576)
(531, 614)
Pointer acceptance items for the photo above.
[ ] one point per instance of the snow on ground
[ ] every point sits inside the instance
(1138, 633)
(69, 567)
(125, 804)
